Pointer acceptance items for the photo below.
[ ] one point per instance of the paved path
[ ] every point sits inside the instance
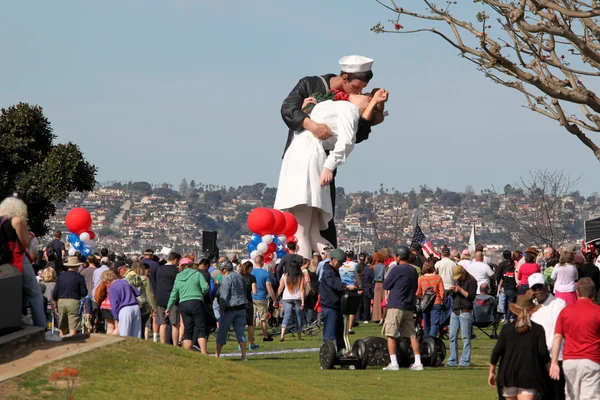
(273, 352)
(52, 351)
(119, 218)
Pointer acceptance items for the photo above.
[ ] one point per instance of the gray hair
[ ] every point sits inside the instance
(13, 207)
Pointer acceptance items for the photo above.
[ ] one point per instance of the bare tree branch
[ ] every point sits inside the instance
(556, 44)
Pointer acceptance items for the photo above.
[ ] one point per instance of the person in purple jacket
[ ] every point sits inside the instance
(125, 306)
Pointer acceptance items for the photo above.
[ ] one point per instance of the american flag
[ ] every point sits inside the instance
(420, 238)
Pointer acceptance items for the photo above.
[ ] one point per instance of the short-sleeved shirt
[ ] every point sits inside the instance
(348, 272)
(262, 277)
(481, 272)
(249, 279)
(579, 323)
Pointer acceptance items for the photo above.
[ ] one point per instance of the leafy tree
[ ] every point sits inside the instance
(184, 187)
(545, 49)
(142, 188)
(40, 172)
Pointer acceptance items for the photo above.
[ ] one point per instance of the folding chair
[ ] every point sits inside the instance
(485, 315)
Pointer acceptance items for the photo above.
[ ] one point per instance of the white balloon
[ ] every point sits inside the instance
(253, 254)
(282, 239)
(84, 237)
(72, 251)
(262, 247)
(267, 239)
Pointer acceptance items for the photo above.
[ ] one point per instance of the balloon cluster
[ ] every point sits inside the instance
(272, 230)
(79, 223)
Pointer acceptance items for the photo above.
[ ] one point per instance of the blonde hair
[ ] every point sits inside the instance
(13, 207)
(49, 274)
(566, 258)
(108, 276)
(139, 268)
(314, 263)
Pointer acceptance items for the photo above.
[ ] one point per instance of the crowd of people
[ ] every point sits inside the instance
(549, 344)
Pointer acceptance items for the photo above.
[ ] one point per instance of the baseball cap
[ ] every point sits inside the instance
(185, 261)
(338, 255)
(536, 279)
(104, 260)
(457, 271)
(445, 251)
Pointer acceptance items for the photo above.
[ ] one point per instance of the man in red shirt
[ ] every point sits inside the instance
(579, 324)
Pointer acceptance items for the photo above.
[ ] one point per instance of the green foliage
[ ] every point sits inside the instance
(39, 171)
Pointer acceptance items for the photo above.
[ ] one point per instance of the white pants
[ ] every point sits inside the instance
(308, 233)
(130, 321)
(582, 379)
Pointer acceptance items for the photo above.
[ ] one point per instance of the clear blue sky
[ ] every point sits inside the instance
(158, 90)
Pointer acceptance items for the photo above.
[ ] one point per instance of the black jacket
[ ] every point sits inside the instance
(331, 287)
(291, 109)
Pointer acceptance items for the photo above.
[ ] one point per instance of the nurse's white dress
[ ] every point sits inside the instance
(300, 175)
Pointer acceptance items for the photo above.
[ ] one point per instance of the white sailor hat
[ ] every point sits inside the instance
(353, 64)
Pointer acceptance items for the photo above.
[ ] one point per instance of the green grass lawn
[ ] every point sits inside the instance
(136, 369)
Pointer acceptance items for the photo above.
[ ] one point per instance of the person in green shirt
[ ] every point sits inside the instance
(188, 293)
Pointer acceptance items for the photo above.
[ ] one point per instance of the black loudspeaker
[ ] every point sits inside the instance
(11, 298)
(592, 230)
(209, 241)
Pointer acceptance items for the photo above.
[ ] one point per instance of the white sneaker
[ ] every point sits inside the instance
(246, 359)
(416, 367)
(392, 367)
(366, 322)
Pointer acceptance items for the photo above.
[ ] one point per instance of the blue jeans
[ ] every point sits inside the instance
(291, 307)
(464, 321)
(333, 326)
(237, 318)
(432, 320)
(509, 298)
(32, 295)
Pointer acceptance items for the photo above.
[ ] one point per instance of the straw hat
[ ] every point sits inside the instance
(72, 261)
(524, 302)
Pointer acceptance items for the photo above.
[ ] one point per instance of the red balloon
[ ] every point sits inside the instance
(279, 222)
(78, 220)
(291, 224)
(92, 235)
(261, 221)
(272, 248)
(292, 239)
(268, 257)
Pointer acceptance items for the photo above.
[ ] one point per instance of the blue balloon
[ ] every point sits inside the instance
(86, 251)
(281, 253)
(255, 239)
(72, 238)
(78, 245)
(276, 240)
(252, 246)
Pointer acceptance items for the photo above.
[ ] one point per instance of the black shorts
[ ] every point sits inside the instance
(106, 314)
(250, 314)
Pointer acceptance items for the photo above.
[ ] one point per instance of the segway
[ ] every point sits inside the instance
(376, 352)
(433, 351)
(352, 356)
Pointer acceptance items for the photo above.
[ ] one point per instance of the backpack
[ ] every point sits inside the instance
(50, 251)
(428, 300)
(5, 253)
